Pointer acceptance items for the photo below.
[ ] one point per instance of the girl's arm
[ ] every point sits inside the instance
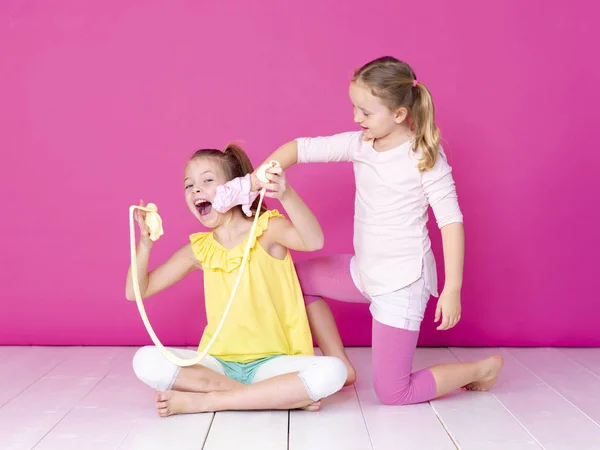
(169, 273)
(302, 232)
(448, 307)
(286, 155)
(439, 187)
(453, 243)
(338, 147)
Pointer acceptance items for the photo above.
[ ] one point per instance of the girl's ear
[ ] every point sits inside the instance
(401, 114)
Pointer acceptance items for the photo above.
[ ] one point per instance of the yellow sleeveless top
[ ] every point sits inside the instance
(267, 316)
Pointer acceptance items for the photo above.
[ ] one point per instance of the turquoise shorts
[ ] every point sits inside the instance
(243, 372)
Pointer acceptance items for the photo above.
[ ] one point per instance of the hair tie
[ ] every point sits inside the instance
(415, 83)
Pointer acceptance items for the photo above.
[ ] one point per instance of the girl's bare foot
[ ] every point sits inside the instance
(490, 369)
(175, 402)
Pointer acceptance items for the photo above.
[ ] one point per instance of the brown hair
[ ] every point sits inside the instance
(395, 83)
(234, 163)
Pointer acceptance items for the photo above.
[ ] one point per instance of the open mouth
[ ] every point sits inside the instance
(204, 207)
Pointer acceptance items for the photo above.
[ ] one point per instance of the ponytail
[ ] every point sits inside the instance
(242, 166)
(395, 83)
(423, 125)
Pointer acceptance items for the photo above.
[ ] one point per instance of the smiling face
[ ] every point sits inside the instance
(201, 177)
(374, 117)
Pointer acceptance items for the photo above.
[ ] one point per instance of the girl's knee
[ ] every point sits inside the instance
(324, 377)
(389, 395)
(144, 363)
(338, 373)
(406, 390)
(152, 368)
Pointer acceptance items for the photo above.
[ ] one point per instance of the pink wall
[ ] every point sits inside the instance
(102, 102)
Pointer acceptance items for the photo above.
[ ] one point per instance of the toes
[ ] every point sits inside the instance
(162, 409)
(476, 388)
(312, 407)
(315, 406)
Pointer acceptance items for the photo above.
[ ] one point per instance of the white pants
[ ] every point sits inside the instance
(403, 308)
(322, 376)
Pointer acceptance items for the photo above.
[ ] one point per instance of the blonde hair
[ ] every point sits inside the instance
(234, 163)
(395, 83)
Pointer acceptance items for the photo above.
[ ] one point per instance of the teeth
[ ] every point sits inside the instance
(200, 201)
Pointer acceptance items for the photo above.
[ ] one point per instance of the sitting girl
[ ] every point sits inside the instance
(263, 357)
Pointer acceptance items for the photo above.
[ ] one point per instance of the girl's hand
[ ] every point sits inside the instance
(448, 308)
(140, 217)
(277, 187)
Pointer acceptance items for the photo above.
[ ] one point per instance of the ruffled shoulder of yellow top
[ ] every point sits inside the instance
(213, 255)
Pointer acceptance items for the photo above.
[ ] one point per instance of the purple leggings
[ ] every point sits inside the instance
(393, 348)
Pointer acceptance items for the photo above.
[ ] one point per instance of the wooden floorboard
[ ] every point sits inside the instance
(89, 398)
(474, 420)
(551, 419)
(391, 427)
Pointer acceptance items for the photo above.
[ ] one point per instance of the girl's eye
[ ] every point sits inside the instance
(188, 186)
(208, 180)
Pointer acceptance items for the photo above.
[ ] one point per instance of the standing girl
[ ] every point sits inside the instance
(400, 169)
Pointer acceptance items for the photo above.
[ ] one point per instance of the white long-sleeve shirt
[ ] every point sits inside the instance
(391, 240)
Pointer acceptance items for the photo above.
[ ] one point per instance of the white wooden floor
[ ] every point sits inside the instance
(88, 398)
